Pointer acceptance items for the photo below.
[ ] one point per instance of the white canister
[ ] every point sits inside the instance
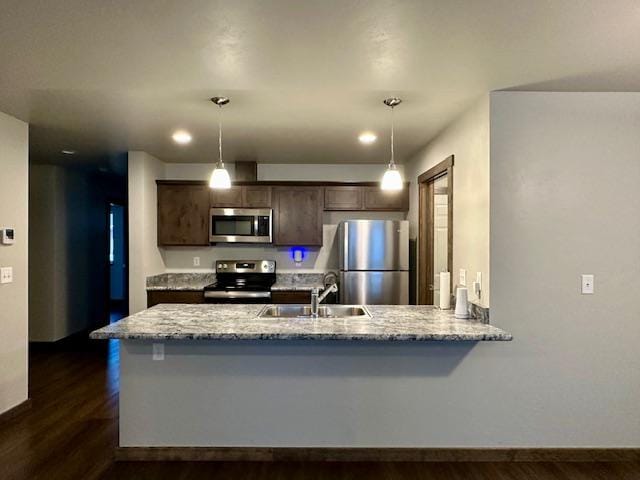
(462, 303)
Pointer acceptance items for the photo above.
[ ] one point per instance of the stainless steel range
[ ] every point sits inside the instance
(242, 281)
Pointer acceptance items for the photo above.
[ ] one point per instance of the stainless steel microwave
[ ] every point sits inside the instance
(240, 225)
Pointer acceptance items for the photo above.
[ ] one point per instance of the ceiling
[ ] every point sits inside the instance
(304, 77)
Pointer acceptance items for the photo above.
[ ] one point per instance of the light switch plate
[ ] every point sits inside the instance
(587, 284)
(158, 351)
(6, 275)
(463, 277)
(196, 261)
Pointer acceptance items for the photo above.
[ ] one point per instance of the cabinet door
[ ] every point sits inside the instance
(298, 215)
(227, 198)
(154, 297)
(256, 197)
(343, 198)
(381, 200)
(290, 296)
(183, 215)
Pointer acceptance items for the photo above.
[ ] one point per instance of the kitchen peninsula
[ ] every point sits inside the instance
(226, 377)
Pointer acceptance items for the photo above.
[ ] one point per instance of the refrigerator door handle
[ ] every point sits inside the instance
(345, 246)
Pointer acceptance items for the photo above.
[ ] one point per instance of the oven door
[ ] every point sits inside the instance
(240, 225)
(217, 296)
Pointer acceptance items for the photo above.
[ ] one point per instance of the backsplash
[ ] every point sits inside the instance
(325, 258)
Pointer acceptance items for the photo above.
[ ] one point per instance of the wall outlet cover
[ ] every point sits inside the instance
(463, 277)
(587, 284)
(158, 351)
(6, 275)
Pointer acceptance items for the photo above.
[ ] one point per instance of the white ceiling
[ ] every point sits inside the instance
(304, 77)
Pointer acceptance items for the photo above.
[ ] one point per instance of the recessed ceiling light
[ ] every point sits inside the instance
(367, 137)
(68, 152)
(181, 136)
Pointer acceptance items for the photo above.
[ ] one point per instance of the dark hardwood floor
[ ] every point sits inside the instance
(71, 430)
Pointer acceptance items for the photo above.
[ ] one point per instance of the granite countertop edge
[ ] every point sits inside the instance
(393, 323)
(312, 336)
(301, 287)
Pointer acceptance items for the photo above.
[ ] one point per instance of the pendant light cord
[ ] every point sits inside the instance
(392, 163)
(220, 164)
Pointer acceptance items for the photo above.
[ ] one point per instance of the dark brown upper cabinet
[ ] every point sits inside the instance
(297, 215)
(381, 200)
(343, 198)
(257, 196)
(183, 215)
(227, 198)
(365, 197)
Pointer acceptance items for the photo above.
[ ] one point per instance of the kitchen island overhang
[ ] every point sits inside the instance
(268, 384)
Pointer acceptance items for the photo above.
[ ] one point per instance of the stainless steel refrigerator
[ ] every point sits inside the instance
(374, 262)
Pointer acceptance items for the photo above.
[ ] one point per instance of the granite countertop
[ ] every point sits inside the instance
(241, 322)
(180, 281)
(300, 282)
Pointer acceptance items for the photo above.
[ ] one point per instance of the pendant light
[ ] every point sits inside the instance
(220, 177)
(392, 179)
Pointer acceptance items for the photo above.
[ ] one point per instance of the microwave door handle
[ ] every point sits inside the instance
(255, 225)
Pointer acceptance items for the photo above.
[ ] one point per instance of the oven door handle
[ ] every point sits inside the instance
(220, 294)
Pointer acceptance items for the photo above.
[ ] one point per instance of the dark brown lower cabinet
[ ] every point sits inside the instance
(154, 297)
(290, 296)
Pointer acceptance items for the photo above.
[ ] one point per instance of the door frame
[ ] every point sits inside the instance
(125, 233)
(425, 227)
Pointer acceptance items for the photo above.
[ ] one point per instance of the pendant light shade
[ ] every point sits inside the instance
(392, 180)
(220, 177)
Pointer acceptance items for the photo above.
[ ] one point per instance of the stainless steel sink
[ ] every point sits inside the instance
(304, 311)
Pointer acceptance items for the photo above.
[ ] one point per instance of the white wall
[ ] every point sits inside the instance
(467, 138)
(298, 171)
(565, 197)
(144, 254)
(14, 199)
(42, 253)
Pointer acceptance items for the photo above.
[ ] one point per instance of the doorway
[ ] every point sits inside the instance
(435, 237)
(117, 259)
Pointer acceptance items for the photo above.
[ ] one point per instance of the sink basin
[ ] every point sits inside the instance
(304, 311)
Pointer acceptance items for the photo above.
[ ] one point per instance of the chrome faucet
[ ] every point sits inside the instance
(317, 298)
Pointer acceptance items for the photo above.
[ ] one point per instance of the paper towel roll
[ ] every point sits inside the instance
(462, 303)
(445, 290)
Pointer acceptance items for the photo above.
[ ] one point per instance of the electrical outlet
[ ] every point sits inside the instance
(158, 351)
(587, 284)
(463, 277)
(196, 261)
(6, 275)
